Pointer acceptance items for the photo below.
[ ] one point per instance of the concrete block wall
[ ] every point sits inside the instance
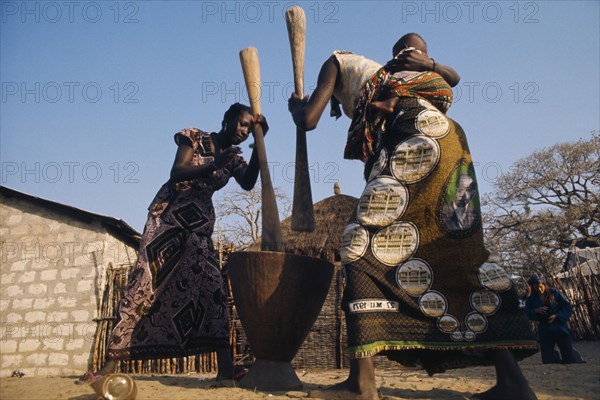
(52, 276)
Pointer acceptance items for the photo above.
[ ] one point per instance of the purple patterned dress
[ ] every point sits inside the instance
(175, 304)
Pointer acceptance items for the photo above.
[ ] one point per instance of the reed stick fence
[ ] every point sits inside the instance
(325, 345)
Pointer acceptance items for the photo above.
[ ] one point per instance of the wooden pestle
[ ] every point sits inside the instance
(271, 229)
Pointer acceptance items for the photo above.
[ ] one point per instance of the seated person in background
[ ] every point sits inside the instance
(552, 311)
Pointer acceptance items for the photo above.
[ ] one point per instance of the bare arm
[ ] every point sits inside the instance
(415, 61)
(307, 112)
(182, 169)
(247, 177)
(448, 73)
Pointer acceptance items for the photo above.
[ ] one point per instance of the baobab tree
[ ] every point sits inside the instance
(548, 203)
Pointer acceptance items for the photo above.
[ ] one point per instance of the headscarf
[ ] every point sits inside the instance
(535, 279)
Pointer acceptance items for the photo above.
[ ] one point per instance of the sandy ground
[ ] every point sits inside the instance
(561, 382)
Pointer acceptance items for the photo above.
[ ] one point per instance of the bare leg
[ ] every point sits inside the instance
(109, 367)
(225, 364)
(360, 384)
(510, 382)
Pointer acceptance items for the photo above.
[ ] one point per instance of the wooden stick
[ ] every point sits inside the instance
(271, 229)
(303, 217)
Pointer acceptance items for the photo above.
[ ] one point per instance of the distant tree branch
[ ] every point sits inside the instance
(545, 203)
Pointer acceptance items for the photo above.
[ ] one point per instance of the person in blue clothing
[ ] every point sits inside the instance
(552, 311)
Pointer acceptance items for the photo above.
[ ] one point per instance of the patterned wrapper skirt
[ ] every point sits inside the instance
(175, 304)
(419, 286)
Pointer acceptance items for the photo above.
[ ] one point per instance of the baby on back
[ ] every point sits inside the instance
(427, 85)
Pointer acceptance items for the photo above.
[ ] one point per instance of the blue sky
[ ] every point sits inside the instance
(93, 91)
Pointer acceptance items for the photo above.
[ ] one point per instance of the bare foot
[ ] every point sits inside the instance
(502, 393)
(342, 391)
(237, 373)
(90, 377)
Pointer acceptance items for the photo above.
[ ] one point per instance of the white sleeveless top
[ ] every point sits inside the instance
(355, 71)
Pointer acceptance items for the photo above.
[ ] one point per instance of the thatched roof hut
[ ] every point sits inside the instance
(331, 217)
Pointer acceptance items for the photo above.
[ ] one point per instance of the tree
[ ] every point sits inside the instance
(546, 204)
(239, 215)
